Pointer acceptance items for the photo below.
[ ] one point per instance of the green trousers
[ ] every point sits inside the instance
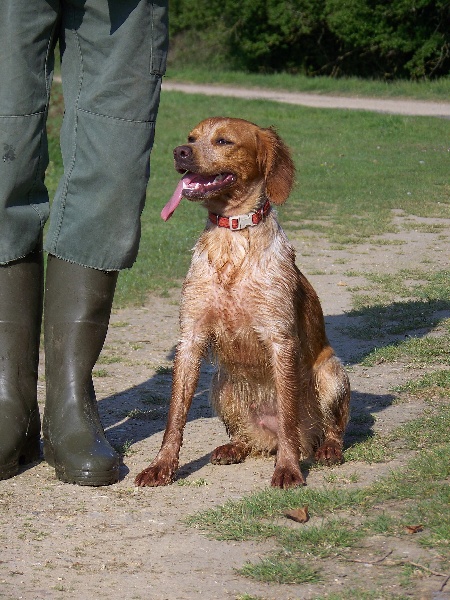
(113, 56)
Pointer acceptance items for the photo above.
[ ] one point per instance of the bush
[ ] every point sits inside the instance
(391, 38)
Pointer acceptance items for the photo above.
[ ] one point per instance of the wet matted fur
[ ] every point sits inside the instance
(279, 388)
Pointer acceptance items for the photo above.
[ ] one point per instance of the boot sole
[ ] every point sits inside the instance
(80, 477)
(29, 452)
(87, 477)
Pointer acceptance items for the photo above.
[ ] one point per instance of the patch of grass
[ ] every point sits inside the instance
(419, 317)
(429, 430)
(354, 167)
(422, 487)
(427, 294)
(108, 359)
(164, 370)
(373, 449)
(100, 373)
(436, 383)
(384, 524)
(362, 594)
(344, 479)
(424, 285)
(253, 516)
(124, 449)
(201, 482)
(425, 227)
(318, 540)
(151, 414)
(416, 351)
(154, 399)
(280, 570)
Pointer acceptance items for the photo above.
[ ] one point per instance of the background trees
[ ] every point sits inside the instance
(368, 38)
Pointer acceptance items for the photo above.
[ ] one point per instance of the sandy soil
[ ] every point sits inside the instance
(64, 541)
(61, 541)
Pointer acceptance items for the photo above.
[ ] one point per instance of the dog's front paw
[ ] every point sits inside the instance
(155, 475)
(330, 453)
(287, 477)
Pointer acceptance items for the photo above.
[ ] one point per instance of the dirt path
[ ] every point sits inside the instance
(383, 105)
(121, 543)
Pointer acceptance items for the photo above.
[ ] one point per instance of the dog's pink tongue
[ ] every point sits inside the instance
(170, 207)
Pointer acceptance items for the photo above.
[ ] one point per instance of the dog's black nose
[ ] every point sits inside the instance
(182, 152)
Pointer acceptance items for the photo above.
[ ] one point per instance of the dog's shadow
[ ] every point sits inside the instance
(140, 412)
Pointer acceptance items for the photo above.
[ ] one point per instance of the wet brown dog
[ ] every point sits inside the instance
(279, 388)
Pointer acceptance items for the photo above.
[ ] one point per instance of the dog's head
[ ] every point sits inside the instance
(232, 164)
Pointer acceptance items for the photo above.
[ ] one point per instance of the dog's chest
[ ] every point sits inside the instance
(229, 309)
(229, 314)
(234, 327)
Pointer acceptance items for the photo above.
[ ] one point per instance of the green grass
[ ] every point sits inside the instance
(362, 594)
(272, 570)
(348, 518)
(420, 491)
(438, 381)
(397, 304)
(353, 169)
(438, 90)
(410, 306)
(373, 449)
(415, 351)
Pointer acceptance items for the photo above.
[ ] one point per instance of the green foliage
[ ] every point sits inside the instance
(392, 37)
(388, 39)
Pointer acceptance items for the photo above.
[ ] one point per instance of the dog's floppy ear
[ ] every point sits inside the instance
(276, 165)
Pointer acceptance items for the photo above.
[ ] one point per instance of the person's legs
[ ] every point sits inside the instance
(113, 57)
(27, 36)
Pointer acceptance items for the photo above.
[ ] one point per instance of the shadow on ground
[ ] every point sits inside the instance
(140, 412)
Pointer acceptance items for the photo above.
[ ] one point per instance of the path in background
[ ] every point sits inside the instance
(400, 107)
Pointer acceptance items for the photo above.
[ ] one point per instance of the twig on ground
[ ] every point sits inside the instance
(397, 563)
(367, 562)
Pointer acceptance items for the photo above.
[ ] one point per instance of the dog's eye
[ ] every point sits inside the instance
(223, 142)
(191, 139)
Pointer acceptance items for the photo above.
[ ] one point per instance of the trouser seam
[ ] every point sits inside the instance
(34, 114)
(65, 188)
(42, 217)
(44, 124)
(120, 119)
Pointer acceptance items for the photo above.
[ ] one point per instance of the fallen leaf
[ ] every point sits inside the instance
(413, 528)
(300, 515)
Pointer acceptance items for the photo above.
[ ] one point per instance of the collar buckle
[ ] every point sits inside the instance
(241, 221)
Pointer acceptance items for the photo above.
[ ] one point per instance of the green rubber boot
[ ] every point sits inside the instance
(78, 304)
(21, 287)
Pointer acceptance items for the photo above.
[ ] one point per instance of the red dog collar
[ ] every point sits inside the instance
(241, 221)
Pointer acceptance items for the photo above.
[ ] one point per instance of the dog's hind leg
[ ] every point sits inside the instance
(332, 389)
